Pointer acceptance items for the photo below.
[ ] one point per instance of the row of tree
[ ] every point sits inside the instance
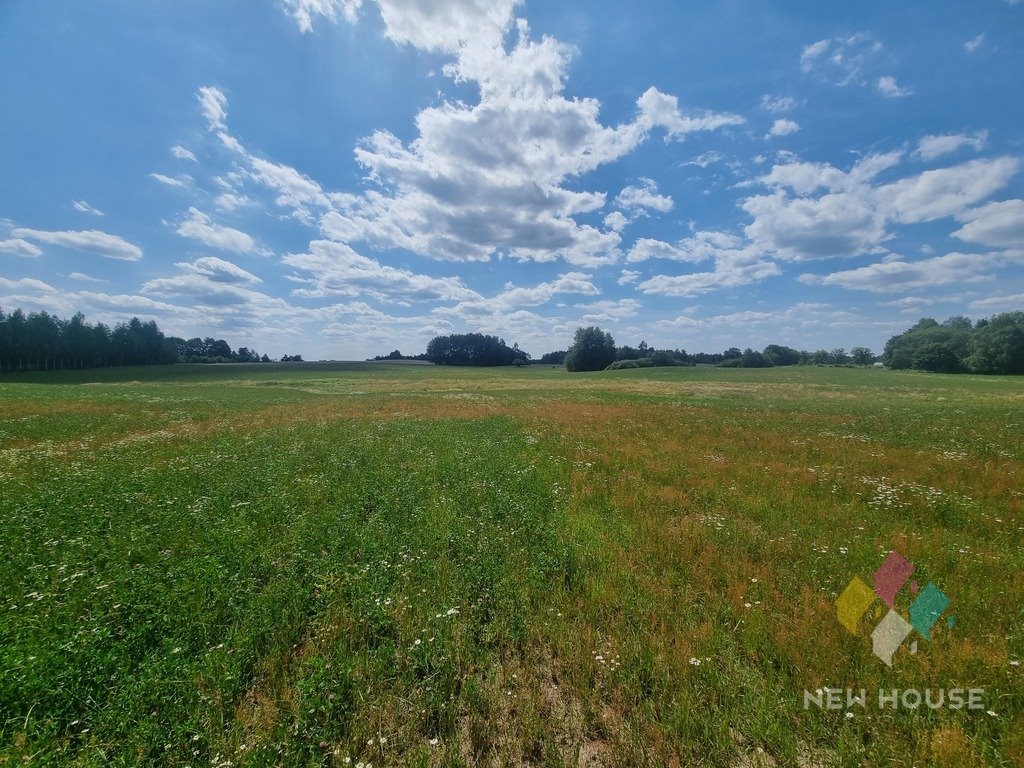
(595, 350)
(39, 341)
(211, 350)
(992, 345)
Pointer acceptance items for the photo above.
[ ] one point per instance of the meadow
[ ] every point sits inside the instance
(400, 565)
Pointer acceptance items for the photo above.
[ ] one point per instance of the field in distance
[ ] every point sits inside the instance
(335, 564)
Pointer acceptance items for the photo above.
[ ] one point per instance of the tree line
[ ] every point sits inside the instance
(474, 349)
(991, 345)
(39, 341)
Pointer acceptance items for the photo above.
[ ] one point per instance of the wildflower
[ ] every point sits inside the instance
(695, 662)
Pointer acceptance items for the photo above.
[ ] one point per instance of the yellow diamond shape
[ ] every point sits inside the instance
(853, 603)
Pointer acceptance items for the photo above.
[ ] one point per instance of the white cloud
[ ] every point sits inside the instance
(783, 127)
(897, 275)
(842, 61)
(888, 87)
(974, 43)
(180, 181)
(83, 207)
(91, 241)
(447, 25)
(229, 201)
(909, 304)
(183, 154)
(946, 192)
(304, 11)
(199, 226)
(644, 196)
(491, 178)
(998, 224)
(85, 278)
(777, 104)
(660, 109)
(495, 178)
(1003, 303)
(294, 190)
(796, 319)
(608, 311)
(214, 105)
(801, 228)
(628, 276)
(339, 271)
(798, 222)
(19, 247)
(219, 271)
(705, 159)
(931, 147)
(735, 263)
(615, 221)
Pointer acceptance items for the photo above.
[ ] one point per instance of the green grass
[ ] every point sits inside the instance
(409, 565)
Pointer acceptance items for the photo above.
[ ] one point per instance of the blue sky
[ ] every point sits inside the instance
(342, 178)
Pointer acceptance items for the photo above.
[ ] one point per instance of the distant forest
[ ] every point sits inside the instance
(39, 341)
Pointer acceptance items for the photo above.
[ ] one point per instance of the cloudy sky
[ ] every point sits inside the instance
(342, 178)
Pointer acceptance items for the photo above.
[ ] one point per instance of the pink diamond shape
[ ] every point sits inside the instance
(891, 577)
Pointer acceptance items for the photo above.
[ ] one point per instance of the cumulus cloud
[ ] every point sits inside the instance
(230, 201)
(209, 281)
(998, 224)
(199, 226)
(644, 196)
(661, 109)
(615, 221)
(446, 25)
(514, 298)
(897, 275)
(931, 147)
(782, 127)
(337, 270)
(888, 87)
(490, 178)
(19, 247)
(608, 311)
(816, 211)
(498, 177)
(90, 240)
(736, 263)
(628, 276)
(946, 192)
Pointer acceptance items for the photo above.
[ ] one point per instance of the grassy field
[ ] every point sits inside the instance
(335, 564)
